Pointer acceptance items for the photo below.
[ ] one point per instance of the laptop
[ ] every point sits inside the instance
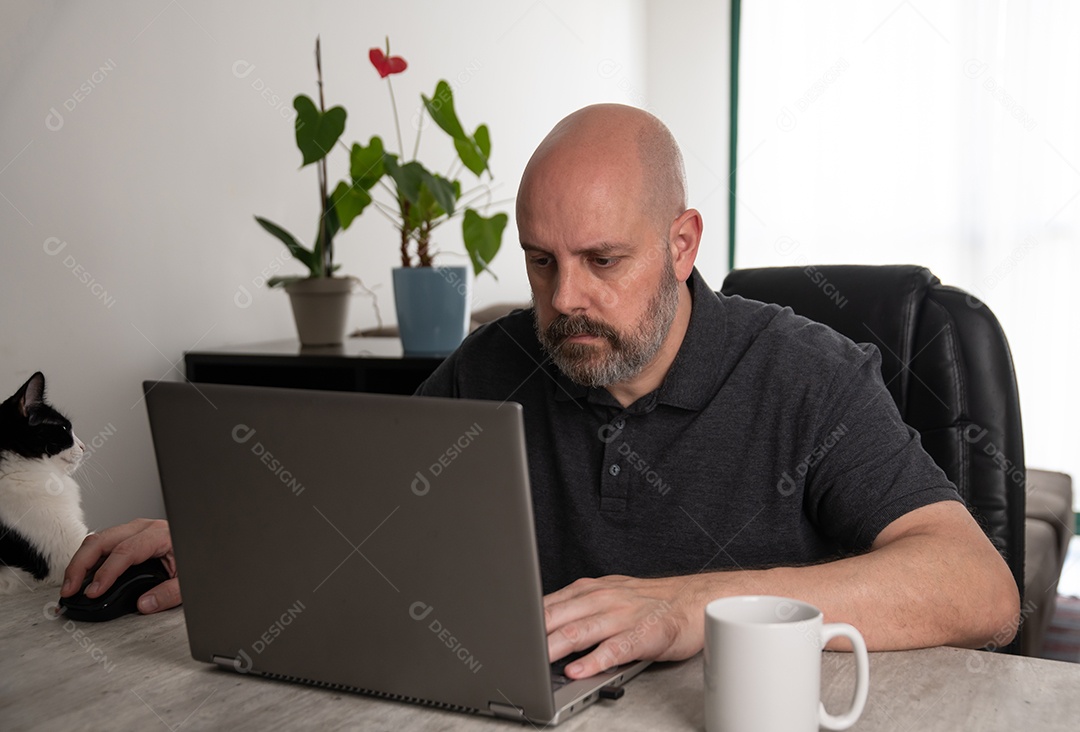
(360, 542)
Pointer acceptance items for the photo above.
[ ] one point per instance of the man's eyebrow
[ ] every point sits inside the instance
(603, 248)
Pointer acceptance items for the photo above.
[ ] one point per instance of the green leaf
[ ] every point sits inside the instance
(470, 156)
(443, 191)
(407, 178)
(482, 138)
(441, 109)
(334, 225)
(416, 215)
(284, 281)
(304, 256)
(366, 163)
(316, 132)
(483, 237)
(473, 151)
(349, 201)
(323, 254)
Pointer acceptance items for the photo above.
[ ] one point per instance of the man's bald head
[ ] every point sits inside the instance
(612, 143)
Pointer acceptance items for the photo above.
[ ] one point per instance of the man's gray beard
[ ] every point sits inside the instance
(629, 353)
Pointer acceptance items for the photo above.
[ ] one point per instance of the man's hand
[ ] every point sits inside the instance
(630, 619)
(931, 578)
(122, 547)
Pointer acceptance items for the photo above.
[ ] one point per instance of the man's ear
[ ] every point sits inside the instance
(684, 237)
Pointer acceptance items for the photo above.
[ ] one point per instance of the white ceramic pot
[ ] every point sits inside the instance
(320, 308)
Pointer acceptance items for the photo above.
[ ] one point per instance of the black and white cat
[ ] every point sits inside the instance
(41, 519)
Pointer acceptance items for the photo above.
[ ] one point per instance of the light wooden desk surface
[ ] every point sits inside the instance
(136, 673)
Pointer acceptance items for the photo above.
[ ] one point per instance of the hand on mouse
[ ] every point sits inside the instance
(121, 547)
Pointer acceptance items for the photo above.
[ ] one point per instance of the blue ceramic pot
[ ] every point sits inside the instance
(432, 308)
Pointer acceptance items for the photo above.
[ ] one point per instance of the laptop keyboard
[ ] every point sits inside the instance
(558, 681)
(558, 678)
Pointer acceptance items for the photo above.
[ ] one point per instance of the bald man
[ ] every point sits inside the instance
(660, 419)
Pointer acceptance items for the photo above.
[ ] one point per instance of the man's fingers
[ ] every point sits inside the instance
(164, 596)
(89, 553)
(625, 618)
(122, 546)
(131, 551)
(607, 655)
(579, 621)
(85, 557)
(110, 569)
(577, 635)
(579, 600)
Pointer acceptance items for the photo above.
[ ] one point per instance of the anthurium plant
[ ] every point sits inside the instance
(422, 200)
(317, 131)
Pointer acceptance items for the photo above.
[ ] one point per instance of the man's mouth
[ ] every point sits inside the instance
(563, 331)
(586, 340)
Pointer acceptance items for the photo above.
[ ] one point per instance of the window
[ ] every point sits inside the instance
(941, 134)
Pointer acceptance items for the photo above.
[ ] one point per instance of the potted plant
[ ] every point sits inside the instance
(432, 302)
(320, 300)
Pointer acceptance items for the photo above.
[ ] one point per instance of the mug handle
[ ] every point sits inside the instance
(862, 676)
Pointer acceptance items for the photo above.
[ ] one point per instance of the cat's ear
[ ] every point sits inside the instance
(32, 394)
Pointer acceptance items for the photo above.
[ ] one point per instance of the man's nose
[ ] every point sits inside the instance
(570, 292)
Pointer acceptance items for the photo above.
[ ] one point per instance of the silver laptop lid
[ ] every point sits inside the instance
(373, 543)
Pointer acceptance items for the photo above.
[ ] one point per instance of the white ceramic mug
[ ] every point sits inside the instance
(763, 666)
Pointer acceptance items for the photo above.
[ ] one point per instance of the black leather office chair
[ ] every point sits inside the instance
(947, 365)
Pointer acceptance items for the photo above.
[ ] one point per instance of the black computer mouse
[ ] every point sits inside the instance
(120, 598)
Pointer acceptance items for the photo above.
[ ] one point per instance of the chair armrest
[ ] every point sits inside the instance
(1049, 499)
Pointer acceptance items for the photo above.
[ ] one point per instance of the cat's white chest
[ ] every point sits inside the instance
(41, 504)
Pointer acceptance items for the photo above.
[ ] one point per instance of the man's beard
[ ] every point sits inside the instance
(627, 354)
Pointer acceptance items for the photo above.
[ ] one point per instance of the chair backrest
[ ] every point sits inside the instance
(946, 363)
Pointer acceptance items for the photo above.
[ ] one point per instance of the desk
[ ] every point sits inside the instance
(136, 673)
(359, 364)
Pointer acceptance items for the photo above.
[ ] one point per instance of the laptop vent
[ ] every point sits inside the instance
(370, 692)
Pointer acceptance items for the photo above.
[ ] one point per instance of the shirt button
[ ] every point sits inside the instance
(614, 469)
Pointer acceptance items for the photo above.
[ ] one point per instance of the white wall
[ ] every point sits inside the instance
(127, 228)
(688, 87)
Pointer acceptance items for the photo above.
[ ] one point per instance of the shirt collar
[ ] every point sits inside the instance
(691, 381)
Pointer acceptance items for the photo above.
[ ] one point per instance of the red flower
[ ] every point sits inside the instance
(386, 65)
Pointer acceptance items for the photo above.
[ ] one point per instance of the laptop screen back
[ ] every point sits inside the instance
(375, 543)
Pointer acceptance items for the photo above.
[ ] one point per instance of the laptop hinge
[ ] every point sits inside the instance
(230, 663)
(507, 711)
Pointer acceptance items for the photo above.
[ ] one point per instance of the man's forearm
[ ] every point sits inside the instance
(931, 578)
(917, 591)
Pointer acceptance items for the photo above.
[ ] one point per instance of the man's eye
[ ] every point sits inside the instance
(605, 262)
(541, 261)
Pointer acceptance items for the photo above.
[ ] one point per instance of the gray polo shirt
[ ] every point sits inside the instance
(772, 441)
